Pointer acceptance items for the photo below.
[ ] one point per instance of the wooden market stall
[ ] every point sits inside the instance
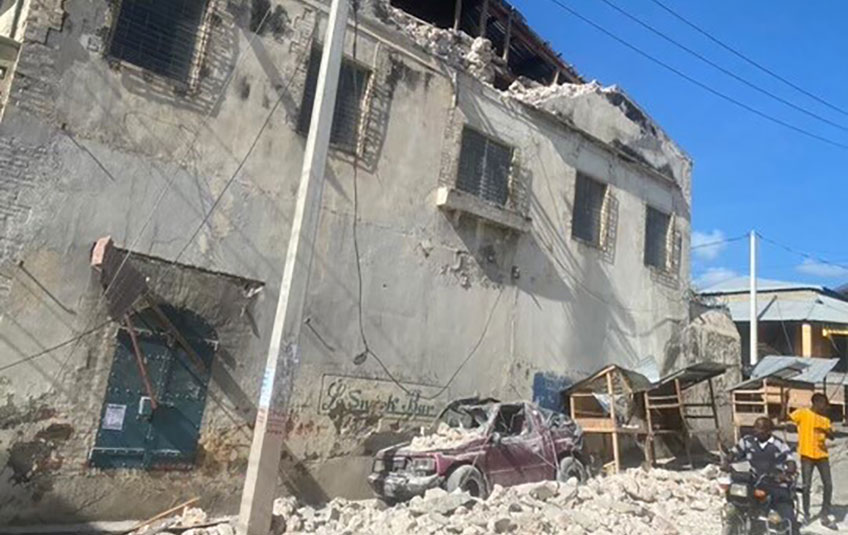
(776, 381)
(670, 410)
(615, 402)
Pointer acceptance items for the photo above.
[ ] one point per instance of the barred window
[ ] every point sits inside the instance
(589, 198)
(158, 35)
(353, 80)
(657, 225)
(484, 167)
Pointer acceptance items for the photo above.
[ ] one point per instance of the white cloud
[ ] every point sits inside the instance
(713, 276)
(708, 245)
(820, 269)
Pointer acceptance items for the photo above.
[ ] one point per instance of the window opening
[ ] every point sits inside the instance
(353, 81)
(511, 421)
(589, 199)
(656, 238)
(159, 35)
(484, 167)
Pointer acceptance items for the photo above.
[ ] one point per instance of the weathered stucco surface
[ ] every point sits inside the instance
(90, 147)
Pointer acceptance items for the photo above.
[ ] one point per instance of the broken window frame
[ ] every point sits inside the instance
(588, 222)
(473, 177)
(658, 239)
(344, 104)
(193, 33)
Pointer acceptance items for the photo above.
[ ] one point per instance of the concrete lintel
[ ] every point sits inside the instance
(448, 198)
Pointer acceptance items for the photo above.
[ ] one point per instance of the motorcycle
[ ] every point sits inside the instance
(751, 500)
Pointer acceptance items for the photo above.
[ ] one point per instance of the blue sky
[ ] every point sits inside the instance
(749, 173)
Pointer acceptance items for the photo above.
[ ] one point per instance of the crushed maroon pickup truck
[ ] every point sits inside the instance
(477, 444)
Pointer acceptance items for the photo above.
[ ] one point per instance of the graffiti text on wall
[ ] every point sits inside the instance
(377, 396)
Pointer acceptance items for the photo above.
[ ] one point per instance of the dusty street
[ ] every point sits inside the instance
(635, 502)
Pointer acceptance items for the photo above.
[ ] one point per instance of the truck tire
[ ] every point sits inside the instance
(571, 467)
(469, 479)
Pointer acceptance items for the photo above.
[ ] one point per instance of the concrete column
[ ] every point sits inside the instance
(260, 486)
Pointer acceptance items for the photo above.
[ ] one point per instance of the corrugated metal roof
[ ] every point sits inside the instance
(776, 307)
(790, 371)
(696, 373)
(741, 285)
(815, 370)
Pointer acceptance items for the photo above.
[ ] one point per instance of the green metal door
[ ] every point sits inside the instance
(130, 435)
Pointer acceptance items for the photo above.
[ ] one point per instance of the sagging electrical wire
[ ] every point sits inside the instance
(368, 351)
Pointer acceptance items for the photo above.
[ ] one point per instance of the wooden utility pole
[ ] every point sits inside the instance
(260, 484)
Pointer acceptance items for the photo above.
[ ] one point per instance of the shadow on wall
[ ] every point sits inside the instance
(215, 50)
(566, 276)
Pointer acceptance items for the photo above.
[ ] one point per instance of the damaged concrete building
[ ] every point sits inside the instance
(517, 227)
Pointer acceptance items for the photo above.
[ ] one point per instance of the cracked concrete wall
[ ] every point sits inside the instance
(92, 147)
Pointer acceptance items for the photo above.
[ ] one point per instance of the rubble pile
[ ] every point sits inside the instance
(444, 437)
(459, 49)
(534, 93)
(632, 503)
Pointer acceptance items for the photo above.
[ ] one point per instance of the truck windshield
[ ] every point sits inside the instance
(467, 416)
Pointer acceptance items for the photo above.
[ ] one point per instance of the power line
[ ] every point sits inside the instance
(748, 59)
(697, 82)
(801, 253)
(718, 242)
(166, 186)
(368, 351)
(49, 350)
(722, 69)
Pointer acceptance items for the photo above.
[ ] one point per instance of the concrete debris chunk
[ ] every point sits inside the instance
(444, 437)
(193, 516)
(625, 504)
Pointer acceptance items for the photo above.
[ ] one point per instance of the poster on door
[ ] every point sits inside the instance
(113, 419)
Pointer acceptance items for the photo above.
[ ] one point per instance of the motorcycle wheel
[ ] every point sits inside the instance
(742, 526)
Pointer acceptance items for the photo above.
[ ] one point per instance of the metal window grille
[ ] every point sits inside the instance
(656, 238)
(588, 211)
(484, 167)
(159, 35)
(353, 81)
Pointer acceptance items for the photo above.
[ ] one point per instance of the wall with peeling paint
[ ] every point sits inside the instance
(452, 305)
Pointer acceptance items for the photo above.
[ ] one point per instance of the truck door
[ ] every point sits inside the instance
(519, 455)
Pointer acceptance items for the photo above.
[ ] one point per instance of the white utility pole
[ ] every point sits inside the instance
(260, 484)
(752, 311)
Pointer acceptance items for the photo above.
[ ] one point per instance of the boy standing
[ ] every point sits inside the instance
(814, 428)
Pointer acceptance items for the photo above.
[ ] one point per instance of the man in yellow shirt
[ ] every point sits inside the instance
(814, 428)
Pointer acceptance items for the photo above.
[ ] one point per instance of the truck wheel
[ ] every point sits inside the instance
(468, 479)
(570, 467)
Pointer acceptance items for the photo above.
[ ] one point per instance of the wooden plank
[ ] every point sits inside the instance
(139, 359)
(713, 406)
(649, 440)
(164, 514)
(662, 398)
(666, 406)
(457, 15)
(595, 423)
(685, 431)
(508, 38)
(615, 451)
(484, 18)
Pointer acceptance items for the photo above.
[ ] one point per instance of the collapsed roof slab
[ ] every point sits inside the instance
(610, 115)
